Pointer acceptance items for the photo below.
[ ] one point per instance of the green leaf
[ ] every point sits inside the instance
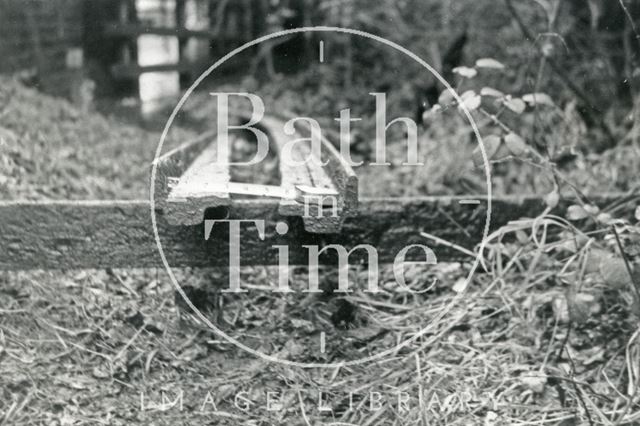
(538, 99)
(465, 72)
(490, 91)
(516, 144)
(489, 63)
(576, 212)
(446, 98)
(471, 100)
(491, 145)
(591, 209)
(516, 105)
(552, 199)
(428, 117)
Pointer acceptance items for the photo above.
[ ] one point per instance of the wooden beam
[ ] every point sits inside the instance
(128, 71)
(184, 193)
(192, 195)
(134, 70)
(337, 175)
(172, 164)
(100, 234)
(134, 30)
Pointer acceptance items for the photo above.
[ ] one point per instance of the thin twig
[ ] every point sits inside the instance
(577, 389)
(631, 21)
(561, 74)
(627, 265)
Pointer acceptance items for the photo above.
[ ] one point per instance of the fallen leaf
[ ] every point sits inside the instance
(293, 348)
(460, 285)
(595, 258)
(522, 237)
(365, 334)
(465, 72)
(491, 418)
(614, 272)
(582, 306)
(538, 99)
(597, 357)
(67, 420)
(100, 373)
(535, 383)
(561, 309)
(302, 324)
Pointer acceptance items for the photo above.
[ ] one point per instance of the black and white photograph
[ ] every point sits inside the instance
(320, 212)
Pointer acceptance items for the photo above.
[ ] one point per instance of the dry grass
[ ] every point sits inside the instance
(522, 344)
(50, 149)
